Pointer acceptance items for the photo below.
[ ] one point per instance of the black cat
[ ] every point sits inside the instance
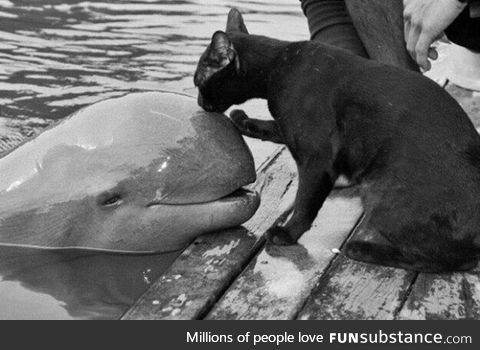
(405, 140)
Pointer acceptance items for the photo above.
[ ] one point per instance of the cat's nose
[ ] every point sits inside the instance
(209, 108)
(201, 102)
(206, 106)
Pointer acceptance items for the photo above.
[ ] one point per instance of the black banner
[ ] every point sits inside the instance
(246, 334)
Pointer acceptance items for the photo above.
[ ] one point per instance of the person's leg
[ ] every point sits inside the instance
(330, 23)
(465, 31)
(379, 24)
(368, 28)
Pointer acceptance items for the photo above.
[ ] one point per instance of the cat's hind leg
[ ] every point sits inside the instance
(368, 245)
(266, 130)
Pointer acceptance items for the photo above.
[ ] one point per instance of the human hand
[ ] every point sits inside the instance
(424, 22)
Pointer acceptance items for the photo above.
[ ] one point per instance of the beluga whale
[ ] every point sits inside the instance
(146, 172)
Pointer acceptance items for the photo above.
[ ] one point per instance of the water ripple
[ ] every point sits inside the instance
(56, 56)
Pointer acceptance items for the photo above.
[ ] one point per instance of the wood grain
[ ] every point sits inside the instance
(354, 290)
(444, 297)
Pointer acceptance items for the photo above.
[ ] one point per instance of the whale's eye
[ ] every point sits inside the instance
(110, 199)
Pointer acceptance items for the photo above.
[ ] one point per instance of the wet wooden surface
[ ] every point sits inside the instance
(234, 275)
(278, 280)
(444, 297)
(352, 290)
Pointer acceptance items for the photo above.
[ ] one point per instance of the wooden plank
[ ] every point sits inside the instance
(202, 272)
(278, 281)
(444, 297)
(353, 290)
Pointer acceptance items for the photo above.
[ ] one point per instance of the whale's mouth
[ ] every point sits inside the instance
(238, 195)
(241, 192)
(194, 219)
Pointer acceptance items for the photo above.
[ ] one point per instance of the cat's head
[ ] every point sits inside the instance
(219, 76)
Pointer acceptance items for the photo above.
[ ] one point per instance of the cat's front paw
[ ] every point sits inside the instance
(279, 236)
(240, 119)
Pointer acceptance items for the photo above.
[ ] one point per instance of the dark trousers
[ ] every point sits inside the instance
(374, 28)
(465, 31)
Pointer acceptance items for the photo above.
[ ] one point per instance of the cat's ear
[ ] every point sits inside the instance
(222, 52)
(235, 22)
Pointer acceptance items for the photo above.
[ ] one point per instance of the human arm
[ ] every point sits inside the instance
(424, 22)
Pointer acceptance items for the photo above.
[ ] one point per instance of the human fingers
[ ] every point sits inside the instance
(407, 21)
(432, 53)
(411, 38)
(422, 48)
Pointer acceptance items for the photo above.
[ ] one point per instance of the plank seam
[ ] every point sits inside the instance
(465, 294)
(447, 82)
(253, 252)
(405, 296)
(286, 189)
(275, 154)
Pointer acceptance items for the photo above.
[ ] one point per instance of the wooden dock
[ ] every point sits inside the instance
(234, 275)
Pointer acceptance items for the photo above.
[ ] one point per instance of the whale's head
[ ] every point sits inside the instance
(146, 172)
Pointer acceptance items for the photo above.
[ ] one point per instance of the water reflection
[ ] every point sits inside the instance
(57, 56)
(41, 284)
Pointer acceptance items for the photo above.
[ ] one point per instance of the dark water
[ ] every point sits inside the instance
(57, 56)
